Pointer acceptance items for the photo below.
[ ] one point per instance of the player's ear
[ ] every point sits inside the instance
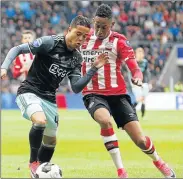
(69, 29)
(112, 24)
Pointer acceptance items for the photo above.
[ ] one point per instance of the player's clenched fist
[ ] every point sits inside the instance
(3, 73)
(137, 81)
(101, 60)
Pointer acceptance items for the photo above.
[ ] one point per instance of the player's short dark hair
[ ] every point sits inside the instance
(104, 11)
(29, 32)
(80, 20)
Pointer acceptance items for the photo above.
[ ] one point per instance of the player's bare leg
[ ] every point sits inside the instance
(102, 116)
(134, 130)
(35, 139)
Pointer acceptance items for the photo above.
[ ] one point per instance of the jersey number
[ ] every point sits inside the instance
(56, 120)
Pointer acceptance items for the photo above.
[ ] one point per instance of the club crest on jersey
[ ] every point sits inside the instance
(109, 45)
(128, 43)
(37, 42)
(73, 61)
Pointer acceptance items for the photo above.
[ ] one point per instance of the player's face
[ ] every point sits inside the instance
(102, 27)
(139, 54)
(77, 36)
(27, 38)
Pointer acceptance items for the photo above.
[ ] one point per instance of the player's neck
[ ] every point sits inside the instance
(68, 43)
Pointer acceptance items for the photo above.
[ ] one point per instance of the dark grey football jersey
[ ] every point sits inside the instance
(53, 61)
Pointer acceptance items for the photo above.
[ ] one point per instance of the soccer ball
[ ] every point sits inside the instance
(48, 170)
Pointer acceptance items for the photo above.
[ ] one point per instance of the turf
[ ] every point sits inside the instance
(80, 152)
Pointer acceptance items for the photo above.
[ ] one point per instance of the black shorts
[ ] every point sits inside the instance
(120, 107)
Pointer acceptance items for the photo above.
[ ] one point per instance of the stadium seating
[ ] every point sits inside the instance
(156, 26)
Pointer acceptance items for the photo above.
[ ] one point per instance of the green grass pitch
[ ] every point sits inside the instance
(80, 151)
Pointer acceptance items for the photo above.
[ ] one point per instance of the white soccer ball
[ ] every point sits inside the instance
(48, 170)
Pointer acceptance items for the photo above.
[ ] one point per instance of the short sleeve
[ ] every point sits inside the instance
(42, 45)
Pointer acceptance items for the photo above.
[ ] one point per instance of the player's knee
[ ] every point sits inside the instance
(106, 123)
(103, 120)
(141, 142)
(36, 114)
(102, 116)
(49, 141)
(39, 126)
(38, 118)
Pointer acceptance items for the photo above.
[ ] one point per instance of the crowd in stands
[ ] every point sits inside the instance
(155, 26)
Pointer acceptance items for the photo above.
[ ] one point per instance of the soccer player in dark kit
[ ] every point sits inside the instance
(139, 92)
(106, 94)
(55, 58)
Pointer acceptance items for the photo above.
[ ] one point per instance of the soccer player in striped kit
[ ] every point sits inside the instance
(23, 62)
(106, 93)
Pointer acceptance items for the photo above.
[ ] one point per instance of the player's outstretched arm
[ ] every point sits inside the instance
(126, 53)
(13, 53)
(42, 45)
(77, 82)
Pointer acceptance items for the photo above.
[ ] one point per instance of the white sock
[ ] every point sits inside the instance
(111, 144)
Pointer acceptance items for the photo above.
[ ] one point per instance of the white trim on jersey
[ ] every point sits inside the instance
(114, 50)
(90, 45)
(113, 65)
(101, 73)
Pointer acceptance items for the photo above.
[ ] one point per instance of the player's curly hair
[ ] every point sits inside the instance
(80, 20)
(104, 11)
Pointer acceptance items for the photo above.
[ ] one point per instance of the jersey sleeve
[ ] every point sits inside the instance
(124, 50)
(78, 83)
(126, 54)
(42, 45)
(76, 72)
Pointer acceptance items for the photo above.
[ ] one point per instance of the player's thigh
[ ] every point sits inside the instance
(51, 112)
(98, 107)
(31, 107)
(38, 117)
(122, 110)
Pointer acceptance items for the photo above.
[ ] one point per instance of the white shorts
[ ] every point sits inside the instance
(140, 91)
(29, 103)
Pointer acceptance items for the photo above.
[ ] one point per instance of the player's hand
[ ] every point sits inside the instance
(3, 73)
(137, 81)
(101, 60)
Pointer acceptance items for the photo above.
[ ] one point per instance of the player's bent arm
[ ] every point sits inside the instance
(78, 83)
(126, 53)
(134, 69)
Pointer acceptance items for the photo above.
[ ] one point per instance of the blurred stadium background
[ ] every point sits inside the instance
(155, 26)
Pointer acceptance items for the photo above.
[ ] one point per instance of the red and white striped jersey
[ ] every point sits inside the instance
(108, 80)
(23, 60)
